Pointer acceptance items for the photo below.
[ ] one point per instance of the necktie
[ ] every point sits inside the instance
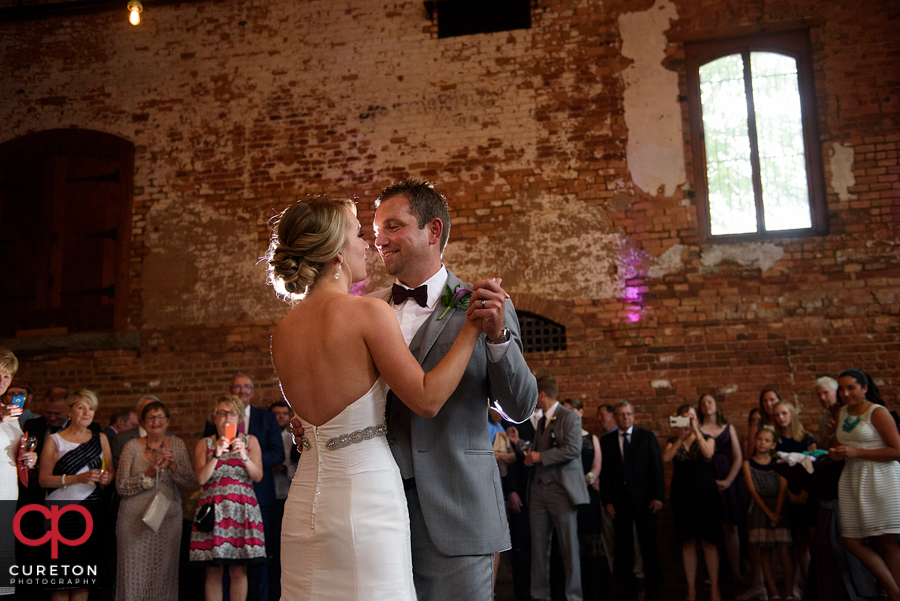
(399, 294)
(541, 424)
(625, 446)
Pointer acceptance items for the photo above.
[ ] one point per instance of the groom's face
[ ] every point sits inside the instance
(405, 249)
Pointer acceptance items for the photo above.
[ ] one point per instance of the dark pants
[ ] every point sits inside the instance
(520, 555)
(644, 521)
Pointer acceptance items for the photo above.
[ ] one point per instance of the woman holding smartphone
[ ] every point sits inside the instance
(226, 466)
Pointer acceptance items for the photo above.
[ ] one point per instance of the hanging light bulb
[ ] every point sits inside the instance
(135, 7)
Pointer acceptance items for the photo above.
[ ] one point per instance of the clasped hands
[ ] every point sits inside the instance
(488, 303)
(165, 459)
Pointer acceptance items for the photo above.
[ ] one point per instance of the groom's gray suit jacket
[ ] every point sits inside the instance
(450, 455)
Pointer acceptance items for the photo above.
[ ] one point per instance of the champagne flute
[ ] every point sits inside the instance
(29, 445)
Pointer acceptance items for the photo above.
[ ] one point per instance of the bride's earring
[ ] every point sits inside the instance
(338, 274)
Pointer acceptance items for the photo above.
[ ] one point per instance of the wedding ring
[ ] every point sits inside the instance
(482, 303)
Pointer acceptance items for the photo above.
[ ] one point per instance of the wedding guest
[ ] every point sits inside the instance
(122, 438)
(802, 510)
(632, 489)
(24, 389)
(753, 424)
(768, 528)
(262, 425)
(226, 469)
(10, 436)
(767, 400)
(72, 463)
(521, 436)
(283, 474)
(826, 393)
(151, 465)
(606, 419)
(590, 544)
(557, 489)
(726, 462)
(869, 488)
(696, 508)
(120, 421)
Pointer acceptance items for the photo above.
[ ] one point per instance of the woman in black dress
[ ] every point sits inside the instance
(593, 564)
(696, 508)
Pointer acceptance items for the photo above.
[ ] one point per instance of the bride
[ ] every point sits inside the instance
(346, 528)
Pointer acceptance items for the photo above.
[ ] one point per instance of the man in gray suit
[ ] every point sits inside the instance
(457, 519)
(557, 488)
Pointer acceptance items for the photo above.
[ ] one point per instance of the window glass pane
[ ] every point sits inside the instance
(732, 209)
(776, 99)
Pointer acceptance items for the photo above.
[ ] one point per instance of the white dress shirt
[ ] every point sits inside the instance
(411, 316)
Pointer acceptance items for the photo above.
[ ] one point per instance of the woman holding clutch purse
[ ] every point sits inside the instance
(157, 464)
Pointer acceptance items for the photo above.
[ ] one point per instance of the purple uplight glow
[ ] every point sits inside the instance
(630, 266)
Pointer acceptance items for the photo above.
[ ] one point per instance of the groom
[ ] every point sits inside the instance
(456, 510)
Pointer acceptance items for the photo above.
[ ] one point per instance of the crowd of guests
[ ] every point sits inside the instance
(812, 516)
(815, 517)
(166, 521)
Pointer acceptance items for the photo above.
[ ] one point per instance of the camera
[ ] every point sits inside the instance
(679, 422)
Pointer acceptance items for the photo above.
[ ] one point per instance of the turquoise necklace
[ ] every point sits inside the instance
(849, 424)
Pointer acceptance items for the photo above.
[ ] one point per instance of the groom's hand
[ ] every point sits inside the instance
(296, 430)
(488, 303)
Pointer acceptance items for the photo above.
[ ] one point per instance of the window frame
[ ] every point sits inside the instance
(794, 44)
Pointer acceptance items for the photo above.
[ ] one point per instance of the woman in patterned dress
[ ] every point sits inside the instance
(227, 468)
(147, 560)
(869, 488)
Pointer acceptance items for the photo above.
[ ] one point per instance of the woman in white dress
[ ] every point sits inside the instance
(346, 529)
(869, 488)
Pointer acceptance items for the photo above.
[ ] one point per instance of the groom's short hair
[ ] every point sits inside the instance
(425, 203)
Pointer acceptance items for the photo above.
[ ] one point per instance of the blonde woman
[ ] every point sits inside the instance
(76, 462)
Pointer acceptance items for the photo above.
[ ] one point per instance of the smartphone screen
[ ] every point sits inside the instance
(19, 400)
(230, 431)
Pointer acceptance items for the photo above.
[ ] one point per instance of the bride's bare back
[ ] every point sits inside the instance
(331, 348)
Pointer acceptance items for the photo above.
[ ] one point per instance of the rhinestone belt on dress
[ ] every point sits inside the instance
(345, 440)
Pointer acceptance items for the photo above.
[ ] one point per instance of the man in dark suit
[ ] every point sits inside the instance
(632, 489)
(557, 488)
(119, 422)
(457, 519)
(263, 425)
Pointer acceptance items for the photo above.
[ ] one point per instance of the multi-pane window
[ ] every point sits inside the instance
(540, 335)
(757, 158)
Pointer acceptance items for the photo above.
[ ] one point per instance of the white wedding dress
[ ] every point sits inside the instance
(345, 534)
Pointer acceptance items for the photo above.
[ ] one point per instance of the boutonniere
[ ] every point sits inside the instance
(552, 420)
(455, 298)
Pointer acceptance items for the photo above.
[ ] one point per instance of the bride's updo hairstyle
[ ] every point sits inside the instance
(305, 237)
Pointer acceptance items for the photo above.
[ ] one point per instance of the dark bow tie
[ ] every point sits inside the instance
(399, 294)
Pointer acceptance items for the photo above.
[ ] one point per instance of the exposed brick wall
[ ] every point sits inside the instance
(238, 107)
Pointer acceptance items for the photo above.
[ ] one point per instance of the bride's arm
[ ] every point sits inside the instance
(424, 393)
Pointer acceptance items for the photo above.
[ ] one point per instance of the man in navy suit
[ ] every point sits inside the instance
(263, 425)
(632, 489)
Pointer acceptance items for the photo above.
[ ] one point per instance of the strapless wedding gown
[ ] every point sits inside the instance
(345, 534)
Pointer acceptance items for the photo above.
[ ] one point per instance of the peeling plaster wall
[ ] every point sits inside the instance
(755, 255)
(554, 247)
(842, 178)
(652, 112)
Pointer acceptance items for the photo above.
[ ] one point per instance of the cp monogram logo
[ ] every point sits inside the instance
(53, 513)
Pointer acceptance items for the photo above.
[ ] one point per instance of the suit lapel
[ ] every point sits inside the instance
(433, 327)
